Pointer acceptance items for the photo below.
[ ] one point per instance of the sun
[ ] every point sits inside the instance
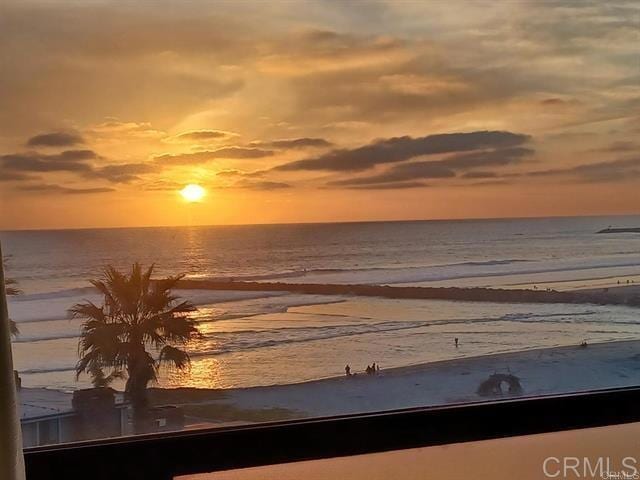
(193, 193)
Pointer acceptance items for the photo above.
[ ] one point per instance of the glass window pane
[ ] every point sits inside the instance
(300, 209)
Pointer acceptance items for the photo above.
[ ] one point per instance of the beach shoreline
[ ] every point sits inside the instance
(542, 371)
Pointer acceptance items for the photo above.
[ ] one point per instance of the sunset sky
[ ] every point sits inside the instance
(314, 111)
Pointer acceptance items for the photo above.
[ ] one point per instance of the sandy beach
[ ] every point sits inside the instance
(541, 371)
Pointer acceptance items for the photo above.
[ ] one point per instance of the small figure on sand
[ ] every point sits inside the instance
(347, 370)
(372, 369)
(378, 368)
(456, 340)
(583, 344)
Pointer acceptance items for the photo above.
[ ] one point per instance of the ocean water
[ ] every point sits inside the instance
(259, 338)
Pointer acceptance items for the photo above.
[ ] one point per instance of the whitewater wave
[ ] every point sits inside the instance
(43, 338)
(328, 271)
(434, 273)
(288, 335)
(310, 333)
(32, 371)
(229, 342)
(65, 293)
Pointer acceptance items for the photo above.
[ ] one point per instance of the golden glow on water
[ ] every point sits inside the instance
(204, 373)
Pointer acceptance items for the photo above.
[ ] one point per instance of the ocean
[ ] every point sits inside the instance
(260, 338)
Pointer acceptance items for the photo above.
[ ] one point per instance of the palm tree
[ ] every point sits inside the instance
(136, 331)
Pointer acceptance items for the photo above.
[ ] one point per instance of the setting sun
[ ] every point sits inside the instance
(193, 193)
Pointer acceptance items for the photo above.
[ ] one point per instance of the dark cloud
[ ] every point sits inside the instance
(618, 147)
(67, 161)
(14, 166)
(13, 176)
(553, 102)
(260, 185)
(55, 139)
(503, 156)
(292, 143)
(53, 188)
(162, 186)
(230, 173)
(611, 171)
(389, 186)
(400, 149)
(447, 168)
(480, 175)
(400, 173)
(207, 155)
(239, 173)
(488, 183)
(202, 136)
(241, 152)
(122, 173)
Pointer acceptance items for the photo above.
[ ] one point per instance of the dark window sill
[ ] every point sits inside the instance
(163, 456)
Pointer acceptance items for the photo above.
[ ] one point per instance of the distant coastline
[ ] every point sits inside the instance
(620, 230)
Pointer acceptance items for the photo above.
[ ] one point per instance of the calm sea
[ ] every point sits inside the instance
(259, 338)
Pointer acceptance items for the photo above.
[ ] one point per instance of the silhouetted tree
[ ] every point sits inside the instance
(136, 331)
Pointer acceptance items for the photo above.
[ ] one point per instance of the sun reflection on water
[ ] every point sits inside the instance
(204, 373)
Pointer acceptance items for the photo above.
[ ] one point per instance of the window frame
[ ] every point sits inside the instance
(164, 456)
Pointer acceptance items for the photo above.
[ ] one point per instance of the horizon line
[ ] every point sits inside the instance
(346, 222)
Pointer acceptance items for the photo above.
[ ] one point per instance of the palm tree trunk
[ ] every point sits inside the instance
(11, 460)
(136, 392)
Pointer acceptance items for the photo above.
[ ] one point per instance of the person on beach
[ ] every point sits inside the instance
(456, 340)
(373, 368)
(378, 368)
(368, 370)
(347, 370)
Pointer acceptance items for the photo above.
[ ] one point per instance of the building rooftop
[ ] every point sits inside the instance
(42, 402)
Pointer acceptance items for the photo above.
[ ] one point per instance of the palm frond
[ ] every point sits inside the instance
(177, 327)
(87, 310)
(174, 357)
